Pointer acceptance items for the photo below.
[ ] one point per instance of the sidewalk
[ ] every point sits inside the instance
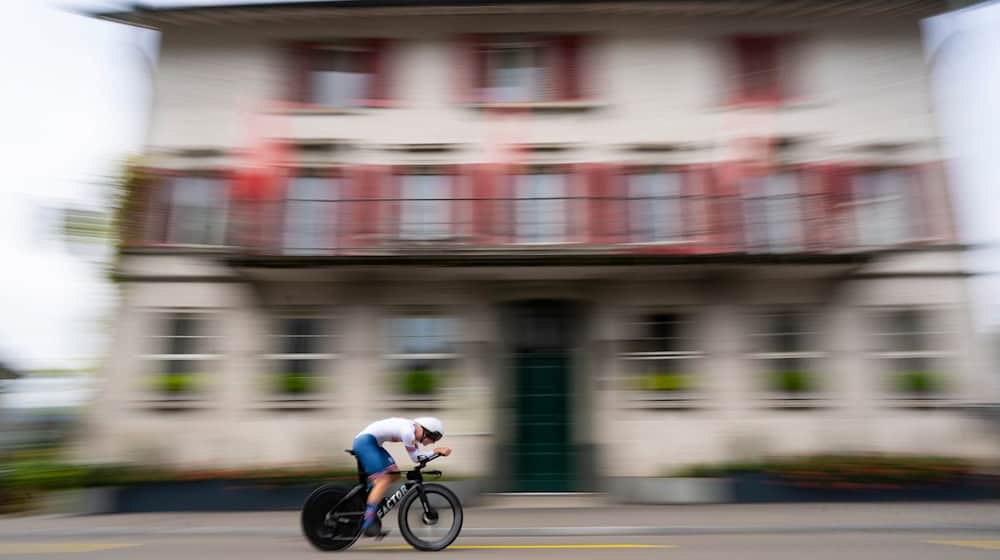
(556, 522)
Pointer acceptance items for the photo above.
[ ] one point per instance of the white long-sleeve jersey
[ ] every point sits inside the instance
(399, 430)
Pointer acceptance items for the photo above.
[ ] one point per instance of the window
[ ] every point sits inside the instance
(426, 207)
(198, 211)
(759, 69)
(526, 69)
(517, 73)
(303, 347)
(910, 345)
(339, 77)
(345, 74)
(654, 203)
(182, 353)
(311, 215)
(884, 216)
(662, 354)
(540, 213)
(423, 350)
(773, 213)
(782, 345)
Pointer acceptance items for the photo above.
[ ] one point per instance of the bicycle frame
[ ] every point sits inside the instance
(414, 479)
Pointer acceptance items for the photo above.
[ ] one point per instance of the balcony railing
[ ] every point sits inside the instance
(597, 209)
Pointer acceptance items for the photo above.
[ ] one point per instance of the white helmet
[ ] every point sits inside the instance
(433, 425)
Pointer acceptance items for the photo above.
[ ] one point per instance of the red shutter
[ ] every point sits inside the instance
(839, 196)
(567, 74)
(758, 66)
(338, 215)
(934, 202)
(483, 184)
(504, 193)
(391, 197)
(364, 206)
(301, 61)
(576, 202)
(147, 209)
(458, 203)
(700, 206)
(377, 59)
(161, 206)
(815, 226)
(726, 216)
(606, 209)
(694, 209)
(472, 69)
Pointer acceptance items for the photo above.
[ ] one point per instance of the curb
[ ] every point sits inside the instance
(529, 531)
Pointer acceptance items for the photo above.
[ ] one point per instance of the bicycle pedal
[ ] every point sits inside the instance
(381, 535)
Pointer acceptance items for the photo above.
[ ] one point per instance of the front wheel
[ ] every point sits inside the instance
(431, 523)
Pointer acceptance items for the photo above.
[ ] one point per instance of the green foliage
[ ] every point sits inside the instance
(669, 381)
(419, 382)
(84, 226)
(295, 383)
(846, 471)
(919, 382)
(178, 384)
(792, 381)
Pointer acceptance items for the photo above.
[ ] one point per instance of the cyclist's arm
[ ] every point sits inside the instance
(409, 440)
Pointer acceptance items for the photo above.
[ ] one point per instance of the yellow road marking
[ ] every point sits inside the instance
(525, 546)
(50, 548)
(988, 545)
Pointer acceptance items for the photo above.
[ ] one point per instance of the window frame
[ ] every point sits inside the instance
(339, 189)
(907, 229)
(935, 353)
(152, 352)
(538, 209)
(811, 355)
(683, 200)
(396, 358)
(219, 210)
(447, 200)
(275, 338)
(751, 202)
(691, 331)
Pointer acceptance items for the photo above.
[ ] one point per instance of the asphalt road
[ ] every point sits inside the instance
(824, 546)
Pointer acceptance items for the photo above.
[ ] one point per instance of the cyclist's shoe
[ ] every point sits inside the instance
(375, 530)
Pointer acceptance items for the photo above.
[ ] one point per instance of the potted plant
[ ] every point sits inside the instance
(665, 382)
(792, 381)
(177, 384)
(918, 382)
(419, 381)
(291, 383)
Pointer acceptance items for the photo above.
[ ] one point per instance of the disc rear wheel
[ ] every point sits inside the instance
(329, 526)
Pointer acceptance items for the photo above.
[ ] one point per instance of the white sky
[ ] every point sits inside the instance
(74, 103)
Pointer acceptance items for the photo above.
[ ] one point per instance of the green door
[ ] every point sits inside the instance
(542, 450)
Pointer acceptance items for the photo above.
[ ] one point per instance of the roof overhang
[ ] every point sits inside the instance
(290, 12)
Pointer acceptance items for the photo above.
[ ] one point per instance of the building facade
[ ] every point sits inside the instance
(595, 238)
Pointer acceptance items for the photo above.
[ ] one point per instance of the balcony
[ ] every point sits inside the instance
(580, 214)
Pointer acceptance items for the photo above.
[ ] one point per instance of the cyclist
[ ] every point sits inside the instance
(380, 466)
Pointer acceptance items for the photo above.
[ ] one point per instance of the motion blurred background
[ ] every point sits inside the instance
(608, 242)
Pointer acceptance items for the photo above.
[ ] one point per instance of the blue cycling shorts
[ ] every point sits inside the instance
(375, 460)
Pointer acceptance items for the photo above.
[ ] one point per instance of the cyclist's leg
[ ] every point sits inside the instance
(381, 470)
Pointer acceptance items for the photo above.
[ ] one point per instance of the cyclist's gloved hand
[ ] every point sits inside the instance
(444, 451)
